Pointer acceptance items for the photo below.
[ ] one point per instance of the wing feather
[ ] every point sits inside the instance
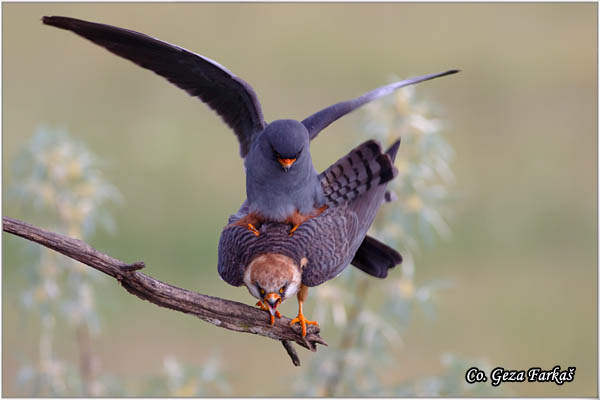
(322, 119)
(364, 167)
(233, 99)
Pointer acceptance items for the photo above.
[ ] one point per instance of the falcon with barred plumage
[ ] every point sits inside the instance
(274, 266)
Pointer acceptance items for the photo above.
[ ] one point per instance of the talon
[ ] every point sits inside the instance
(249, 221)
(277, 314)
(302, 293)
(264, 307)
(303, 322)
(253, 229)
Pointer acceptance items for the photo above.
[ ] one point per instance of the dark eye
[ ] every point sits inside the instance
(276, 154)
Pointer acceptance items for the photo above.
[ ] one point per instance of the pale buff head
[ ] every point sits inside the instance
(272, 278)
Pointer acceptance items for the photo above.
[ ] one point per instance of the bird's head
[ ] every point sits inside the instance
(285, 142)
(272, 278)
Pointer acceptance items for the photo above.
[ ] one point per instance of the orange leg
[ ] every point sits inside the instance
(264, 307)
(253, 229)
(294, 229)
(296, 219)
(249, 221)
(302, 293)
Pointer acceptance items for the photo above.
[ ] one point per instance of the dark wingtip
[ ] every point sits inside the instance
(48, 20)
(446, 73)
(393, 150)
(54, 21)
(62, 22)
(397, 260)
(375, 257)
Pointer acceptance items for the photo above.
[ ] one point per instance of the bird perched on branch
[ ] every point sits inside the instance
(281, 182)
(282, 185)
(274, 266)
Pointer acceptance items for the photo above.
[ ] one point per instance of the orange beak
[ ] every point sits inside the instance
(272, 300)
(286, 163)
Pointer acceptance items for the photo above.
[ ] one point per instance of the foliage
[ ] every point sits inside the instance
(371, 329)
(62, 180)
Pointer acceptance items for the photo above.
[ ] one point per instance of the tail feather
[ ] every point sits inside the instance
(375, 258)
(364, 167)
(390, 196)
(393, 150)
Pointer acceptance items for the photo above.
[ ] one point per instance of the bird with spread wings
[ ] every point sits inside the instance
(282, 185)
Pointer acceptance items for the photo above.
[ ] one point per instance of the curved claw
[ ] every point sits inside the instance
(263, 307)
(277, 314)
(253, 229)
(303, 322)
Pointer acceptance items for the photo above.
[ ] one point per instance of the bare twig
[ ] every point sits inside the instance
(287, 345)
(220, 312)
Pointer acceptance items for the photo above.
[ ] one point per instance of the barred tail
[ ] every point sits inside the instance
(364, 167)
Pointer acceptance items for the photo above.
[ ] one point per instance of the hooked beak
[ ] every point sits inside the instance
(272, 300)
(286, 163)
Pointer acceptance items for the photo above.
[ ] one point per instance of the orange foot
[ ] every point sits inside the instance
(249, 221)
(253, 229)
(297, 219)
(303, 322)
(277, 314)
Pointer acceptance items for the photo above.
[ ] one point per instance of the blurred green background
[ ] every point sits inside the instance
(521, 117)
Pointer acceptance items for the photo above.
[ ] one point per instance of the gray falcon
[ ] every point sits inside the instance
(274, 266)
(281, 182)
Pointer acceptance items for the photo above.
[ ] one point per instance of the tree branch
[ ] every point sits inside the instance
(220, 312)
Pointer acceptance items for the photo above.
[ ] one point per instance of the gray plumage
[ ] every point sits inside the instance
(330, 241)
(231, 97)
(273, 192)
(364, 167)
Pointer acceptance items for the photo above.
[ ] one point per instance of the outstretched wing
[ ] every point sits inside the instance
(321, 120)
(232, 98)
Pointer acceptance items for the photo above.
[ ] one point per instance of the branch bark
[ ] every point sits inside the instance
(220, 312)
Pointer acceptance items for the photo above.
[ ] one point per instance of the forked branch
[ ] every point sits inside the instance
(220, 312)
